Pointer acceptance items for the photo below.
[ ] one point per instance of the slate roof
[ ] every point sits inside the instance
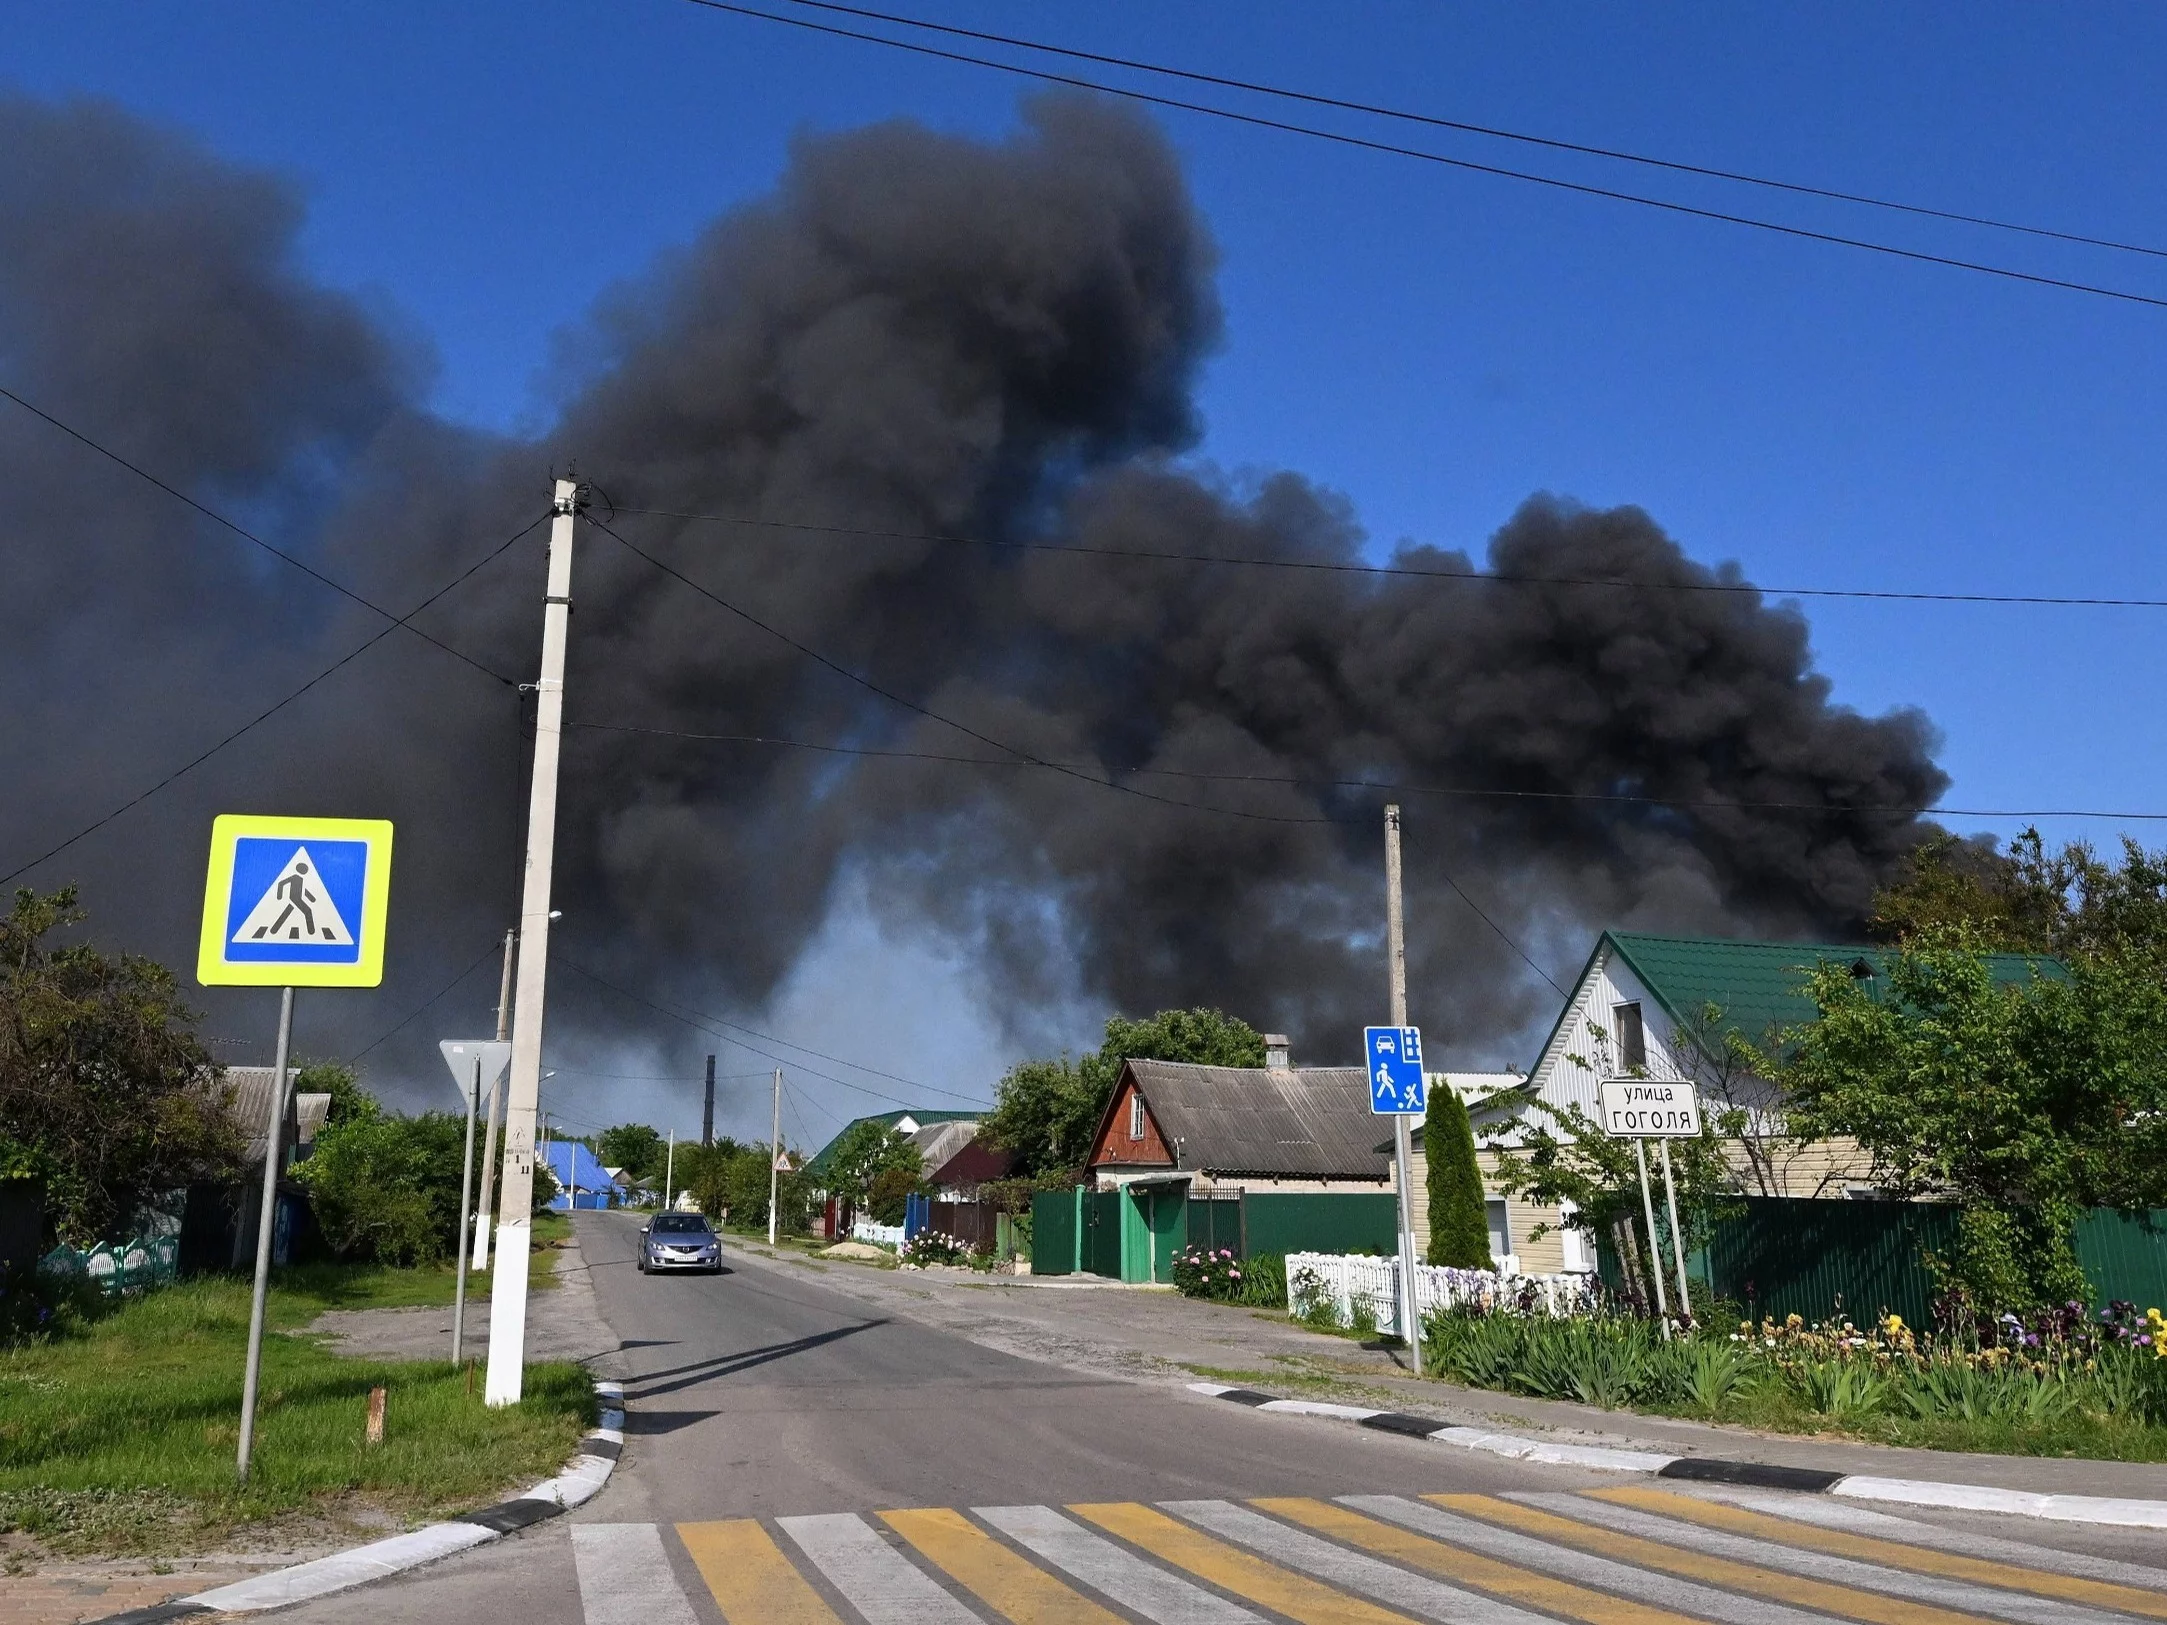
(1758, 985)
(1310, 1122)
(250, 1108)
(819, 1164)
(976, 1163)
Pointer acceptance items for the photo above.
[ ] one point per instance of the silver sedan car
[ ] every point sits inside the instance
(679, 1241)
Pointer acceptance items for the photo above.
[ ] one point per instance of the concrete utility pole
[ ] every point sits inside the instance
(707, 1117)
(775, 1158)
(266, 1220)
(496, 1112)
(669, 1175)
(515, 1228)
(1402, 1144)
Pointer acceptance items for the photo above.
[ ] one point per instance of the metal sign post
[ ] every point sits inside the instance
(473, 1063)
(1399, 1089)
(1641, 1110)
(287, 903)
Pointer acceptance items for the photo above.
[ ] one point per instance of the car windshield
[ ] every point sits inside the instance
(676, 1224)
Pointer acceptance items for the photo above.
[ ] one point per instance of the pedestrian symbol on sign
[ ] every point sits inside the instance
(1394, 1062)
(296, 908)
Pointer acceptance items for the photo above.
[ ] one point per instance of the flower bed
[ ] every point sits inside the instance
(1200, 1272)
(2062, 1382)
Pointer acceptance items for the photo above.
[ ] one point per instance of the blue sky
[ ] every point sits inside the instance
(1433, 344)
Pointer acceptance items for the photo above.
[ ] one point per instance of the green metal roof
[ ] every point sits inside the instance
(819, 1164)
(1759, 986)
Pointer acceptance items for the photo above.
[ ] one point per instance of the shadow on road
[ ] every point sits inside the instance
(652, 1386)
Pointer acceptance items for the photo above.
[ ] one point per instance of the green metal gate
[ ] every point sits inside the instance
(1056, 1234)
(1102, 1232)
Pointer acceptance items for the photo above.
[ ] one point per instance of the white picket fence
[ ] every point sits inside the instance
(1344, 1279)
(880, 1235)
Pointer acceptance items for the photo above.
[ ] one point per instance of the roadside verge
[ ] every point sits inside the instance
(2093, 1509)
(581, 1479)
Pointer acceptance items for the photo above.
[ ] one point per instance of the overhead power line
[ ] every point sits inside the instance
(488, 953)
(1081, 775)
(911, 705)
(218, 518)
(702, 1022)
(1433, 121)
(1500, 578)
(1392, 787)
(269, 712)
(1367, 144)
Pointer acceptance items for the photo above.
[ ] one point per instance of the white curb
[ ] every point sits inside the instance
(582, 1478)
(2096, 1509)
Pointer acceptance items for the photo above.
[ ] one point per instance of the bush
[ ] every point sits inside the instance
(386, 1188)
(1459, 1215)
(36, 1304)
(1219, 1276)
(931, 1247)
(888, 1196)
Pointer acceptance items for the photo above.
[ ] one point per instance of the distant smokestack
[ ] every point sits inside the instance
(707, 1116)
(1277, 1051)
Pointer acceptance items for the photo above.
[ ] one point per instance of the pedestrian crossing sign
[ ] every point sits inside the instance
(295, 902)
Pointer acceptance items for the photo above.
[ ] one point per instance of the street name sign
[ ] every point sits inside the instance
(1393, 1057)
(1637, 1109)
(295, 902)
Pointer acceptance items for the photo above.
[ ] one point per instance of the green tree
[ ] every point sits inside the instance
(2028, 898)
(342, 1083)
(106, 1094)
(890, 1191)
(636, 1148)
(1045, 1111)
(2024, 1103)
(386, 1187)
(1459, 1218)
(865, 1150)
(731, 1186)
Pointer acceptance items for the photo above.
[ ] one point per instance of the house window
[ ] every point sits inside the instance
(1500, 1228)
(1632, 1037)
(1136, 1116)
(1578, 1244)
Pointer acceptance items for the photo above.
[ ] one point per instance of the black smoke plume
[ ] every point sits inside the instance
(916, 336)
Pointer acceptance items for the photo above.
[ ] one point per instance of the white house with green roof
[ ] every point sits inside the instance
(1662, 1007)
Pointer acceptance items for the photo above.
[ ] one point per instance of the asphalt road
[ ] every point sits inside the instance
(772, 1420)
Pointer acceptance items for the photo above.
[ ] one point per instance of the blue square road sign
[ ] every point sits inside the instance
(1393, 1058)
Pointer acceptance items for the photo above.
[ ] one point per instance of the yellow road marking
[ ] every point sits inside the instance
(1020, 1590)
(1281, 1590)
(1462, 1567)
(1773, 1584)
(752, 1582)
(1892, 1553)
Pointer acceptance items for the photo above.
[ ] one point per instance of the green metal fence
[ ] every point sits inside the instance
(119, 1267)
(1783, 1256)
(1102, 1232)
(1055, 1233)
(2125, 1257)
(1319, 1222)
(1216, 1223)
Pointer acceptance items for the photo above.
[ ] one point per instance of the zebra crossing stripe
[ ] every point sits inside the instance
(1739, 1579)
(1267, 1584)
(624, 1576)
(1112, 1571)
(1943, 1590)
(973, 1558)
(751, 1580)
(2127, 1599)
(881, 1583)
(1427, 1539)
(1910, 1533)
(1336, 1565)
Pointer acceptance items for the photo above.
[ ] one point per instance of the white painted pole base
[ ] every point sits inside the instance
(508, 1313)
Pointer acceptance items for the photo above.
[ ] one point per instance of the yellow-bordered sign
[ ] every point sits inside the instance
(295, 902)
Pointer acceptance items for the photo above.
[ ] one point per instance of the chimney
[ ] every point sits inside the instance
(1276, 1051)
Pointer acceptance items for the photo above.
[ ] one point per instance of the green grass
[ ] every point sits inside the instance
(122, 1438)
(301, 1292)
